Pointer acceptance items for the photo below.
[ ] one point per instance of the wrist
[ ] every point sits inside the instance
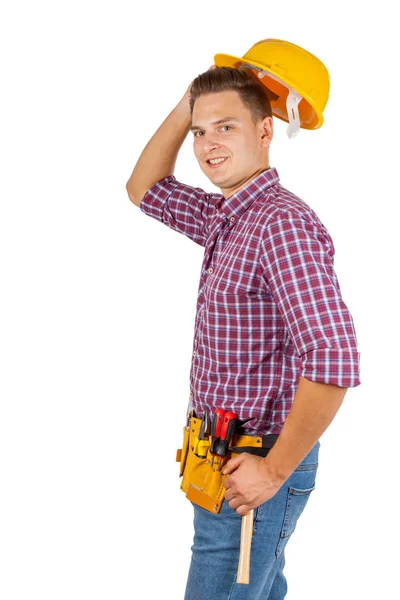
(274, 472)
(183, 107)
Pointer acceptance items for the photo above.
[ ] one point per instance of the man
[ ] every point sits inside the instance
(274, 341)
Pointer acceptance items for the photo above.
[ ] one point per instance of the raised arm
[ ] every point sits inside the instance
(159, 155)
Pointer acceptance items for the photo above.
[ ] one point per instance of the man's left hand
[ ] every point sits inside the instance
(249, 483)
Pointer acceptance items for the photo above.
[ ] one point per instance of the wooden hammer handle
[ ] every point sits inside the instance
(243, 574)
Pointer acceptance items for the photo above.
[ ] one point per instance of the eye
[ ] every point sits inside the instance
(196, 132)
(229, 126)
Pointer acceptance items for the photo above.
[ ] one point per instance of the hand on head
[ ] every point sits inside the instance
(186, 96)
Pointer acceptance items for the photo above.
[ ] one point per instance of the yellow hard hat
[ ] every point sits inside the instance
(298, 80)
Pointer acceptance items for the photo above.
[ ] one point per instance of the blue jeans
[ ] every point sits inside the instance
(215, 550)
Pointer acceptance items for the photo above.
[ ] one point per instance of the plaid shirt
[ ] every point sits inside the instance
(269, 306)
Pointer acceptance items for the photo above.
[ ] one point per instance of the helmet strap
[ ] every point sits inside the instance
(292, 101)
(292, 107)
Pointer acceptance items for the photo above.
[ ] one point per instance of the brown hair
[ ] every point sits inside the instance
(252, 92)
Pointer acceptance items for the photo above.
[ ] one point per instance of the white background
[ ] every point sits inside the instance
(98, 300)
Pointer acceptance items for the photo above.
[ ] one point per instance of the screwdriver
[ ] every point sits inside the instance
(216, 427)
(227, 431)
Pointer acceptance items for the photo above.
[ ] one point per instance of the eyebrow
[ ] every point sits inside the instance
(217, 122)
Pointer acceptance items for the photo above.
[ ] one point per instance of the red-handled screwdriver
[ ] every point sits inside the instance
(227, 431)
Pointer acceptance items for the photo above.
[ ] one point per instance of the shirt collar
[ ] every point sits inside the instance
(234, 206)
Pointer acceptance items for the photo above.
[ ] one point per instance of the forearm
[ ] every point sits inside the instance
(159, 155)
(313, 409)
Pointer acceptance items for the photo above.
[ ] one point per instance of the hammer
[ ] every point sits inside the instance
(243, 574)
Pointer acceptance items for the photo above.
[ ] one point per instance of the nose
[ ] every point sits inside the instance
(210, 142)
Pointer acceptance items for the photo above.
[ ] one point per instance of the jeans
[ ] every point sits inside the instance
(216, 543)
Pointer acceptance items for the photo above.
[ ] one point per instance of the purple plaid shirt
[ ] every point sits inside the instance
(269, 306)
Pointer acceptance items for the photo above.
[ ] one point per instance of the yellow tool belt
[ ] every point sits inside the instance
(202, 481)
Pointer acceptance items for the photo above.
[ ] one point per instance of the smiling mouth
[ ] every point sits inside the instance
(216, 162)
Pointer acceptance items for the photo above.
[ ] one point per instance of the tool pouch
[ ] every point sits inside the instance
(181, 455)
(201, 482)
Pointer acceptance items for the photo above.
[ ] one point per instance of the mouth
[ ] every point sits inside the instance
(214, 163)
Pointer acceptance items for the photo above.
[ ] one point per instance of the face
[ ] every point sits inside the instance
(223, 129)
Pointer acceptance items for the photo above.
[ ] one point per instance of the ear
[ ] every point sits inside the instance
(267, 131)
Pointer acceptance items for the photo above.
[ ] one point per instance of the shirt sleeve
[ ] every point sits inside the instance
(297, 265)
(181, 207)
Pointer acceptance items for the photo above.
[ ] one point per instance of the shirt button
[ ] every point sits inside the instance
(203, 310)
(191, 393)
(232, 219)
(210, 270)
(194, 353)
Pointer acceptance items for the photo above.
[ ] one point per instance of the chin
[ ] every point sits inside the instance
(219, 182)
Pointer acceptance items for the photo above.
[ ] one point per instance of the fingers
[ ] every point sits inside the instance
(241, 509)
(233, 496)
(232, 465)
(235, 499)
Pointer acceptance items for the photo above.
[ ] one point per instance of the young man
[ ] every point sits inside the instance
(274, 341)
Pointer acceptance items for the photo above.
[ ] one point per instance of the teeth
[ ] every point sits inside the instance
(215, 161)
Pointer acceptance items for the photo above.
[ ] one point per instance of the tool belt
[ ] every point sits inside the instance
(202, 481)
